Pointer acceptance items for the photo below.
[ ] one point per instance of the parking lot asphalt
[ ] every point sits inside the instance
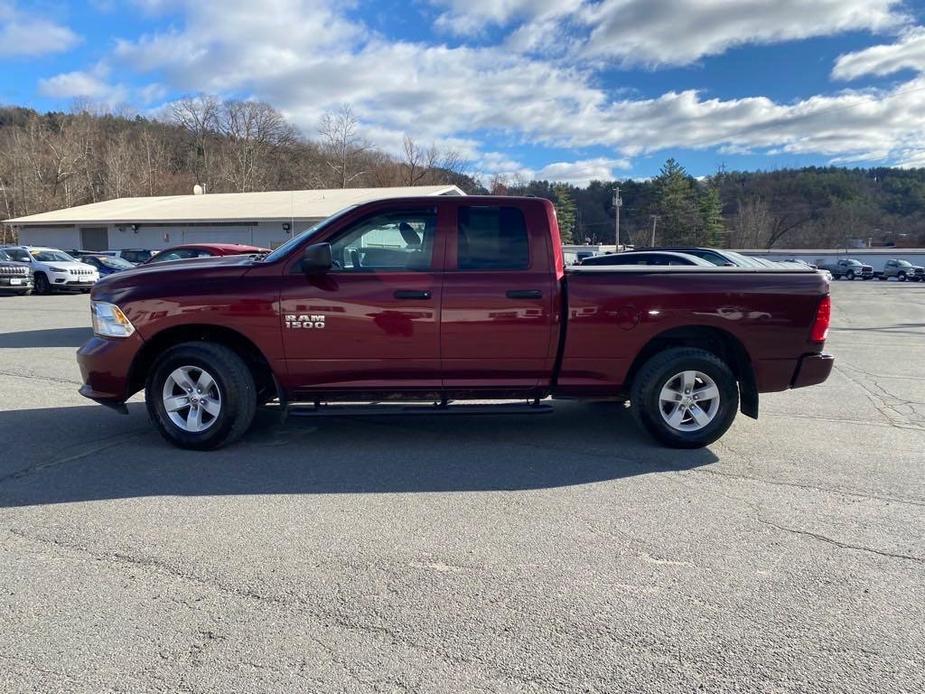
(563, 552)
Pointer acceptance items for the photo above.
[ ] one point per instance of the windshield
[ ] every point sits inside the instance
(903, 263)
(4, 256)
(743, 260)
(284, 250)
(50, 256)
(114, 263)
(852, 262)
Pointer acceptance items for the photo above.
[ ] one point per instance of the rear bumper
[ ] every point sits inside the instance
(812, 369)
(104, 367)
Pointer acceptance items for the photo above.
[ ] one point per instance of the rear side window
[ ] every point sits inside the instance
(492, 238)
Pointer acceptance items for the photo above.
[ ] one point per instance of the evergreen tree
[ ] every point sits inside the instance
(565, 213)
(711, 213)
(676, 205)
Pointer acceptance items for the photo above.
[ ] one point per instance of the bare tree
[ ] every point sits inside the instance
(253, 130)
(199, 117)
(342, 144)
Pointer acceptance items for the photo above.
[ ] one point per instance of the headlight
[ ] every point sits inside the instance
(109, 321)
(56, 269)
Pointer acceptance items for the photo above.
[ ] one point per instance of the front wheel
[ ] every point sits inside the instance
(42, 286)
(901, 277)
(201, 395)
(849, 275)
(685, 397)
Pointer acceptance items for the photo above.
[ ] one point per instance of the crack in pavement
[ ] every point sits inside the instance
(812, 487)
(840, 544)
(110, 442)
(893, 416)
(327, 619)
(35, 377)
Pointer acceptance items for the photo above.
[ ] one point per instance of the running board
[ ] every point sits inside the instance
(337, 410)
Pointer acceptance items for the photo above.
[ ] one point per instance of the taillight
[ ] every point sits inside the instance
(820, 329)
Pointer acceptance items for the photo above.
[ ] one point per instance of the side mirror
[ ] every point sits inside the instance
(317, 258)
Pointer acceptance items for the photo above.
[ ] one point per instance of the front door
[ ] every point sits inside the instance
(499, 293)
(372, 322)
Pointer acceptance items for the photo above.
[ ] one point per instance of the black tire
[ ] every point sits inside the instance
(234, 381)
(42, 285)
(658, 371)
(849, 275)
(901, 276)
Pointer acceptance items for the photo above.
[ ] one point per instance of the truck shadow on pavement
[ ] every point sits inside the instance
(55, 337)
(72, 454)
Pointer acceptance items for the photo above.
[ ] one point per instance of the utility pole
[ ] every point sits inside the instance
(617, 204)
(654, 223)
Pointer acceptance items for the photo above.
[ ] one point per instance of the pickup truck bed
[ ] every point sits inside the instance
(442, 299)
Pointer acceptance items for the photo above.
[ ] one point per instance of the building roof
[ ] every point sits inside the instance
(225, 207)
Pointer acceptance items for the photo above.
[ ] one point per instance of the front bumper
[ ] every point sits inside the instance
(812, 369)
(16, 283)
(105, 366)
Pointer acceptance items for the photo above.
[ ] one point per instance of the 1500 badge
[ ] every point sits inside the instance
(304, 321)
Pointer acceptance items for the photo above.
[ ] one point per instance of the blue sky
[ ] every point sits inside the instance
(559, 89)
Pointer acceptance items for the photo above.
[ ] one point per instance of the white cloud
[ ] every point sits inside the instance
(70, 85)
(305, 58)
(663, 32)
(908, 53)
(471, 16)
(679, 32)
(27, 34)
(581, 172)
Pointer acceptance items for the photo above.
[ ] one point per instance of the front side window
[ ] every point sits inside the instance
(492, 238)
(388, 242)
(18, 254)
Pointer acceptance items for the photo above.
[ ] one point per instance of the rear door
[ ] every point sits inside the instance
(372, 322)
(499, 293)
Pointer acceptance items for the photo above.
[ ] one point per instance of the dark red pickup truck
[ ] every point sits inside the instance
(446, 299)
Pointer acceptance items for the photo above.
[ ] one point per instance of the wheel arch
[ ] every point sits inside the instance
(722, 343)
(244, 347)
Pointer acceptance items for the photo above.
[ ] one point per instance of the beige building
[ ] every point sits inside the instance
(260, 219)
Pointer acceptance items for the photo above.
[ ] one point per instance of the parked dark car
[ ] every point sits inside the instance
(15, 277)
(133, 255)
(203, 250)
(107, 264)
(646, 258)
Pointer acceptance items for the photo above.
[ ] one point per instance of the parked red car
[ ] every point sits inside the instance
(203, 250)
(442, 299)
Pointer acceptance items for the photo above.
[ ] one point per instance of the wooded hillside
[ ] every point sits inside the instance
(54, 160)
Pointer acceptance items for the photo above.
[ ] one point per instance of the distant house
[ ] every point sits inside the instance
(260, 219)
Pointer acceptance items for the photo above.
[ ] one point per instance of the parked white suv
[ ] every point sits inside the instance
(55, 270)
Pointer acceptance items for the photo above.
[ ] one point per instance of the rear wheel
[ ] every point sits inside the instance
(685, 397)
(201, 395)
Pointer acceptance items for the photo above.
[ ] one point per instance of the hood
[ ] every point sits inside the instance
(67, 264)
(171, 276)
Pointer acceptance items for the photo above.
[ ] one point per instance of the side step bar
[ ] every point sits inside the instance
(379, 409)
